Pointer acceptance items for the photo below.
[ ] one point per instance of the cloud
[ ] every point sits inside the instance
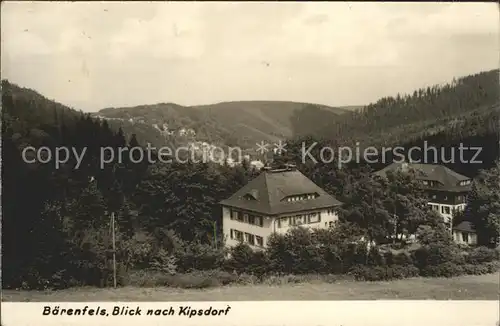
(198, 52)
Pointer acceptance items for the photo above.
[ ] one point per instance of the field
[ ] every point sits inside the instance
(484, 287)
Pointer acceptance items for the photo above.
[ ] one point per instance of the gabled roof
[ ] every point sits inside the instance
(465, 226)
(446, 178)
(266, 193)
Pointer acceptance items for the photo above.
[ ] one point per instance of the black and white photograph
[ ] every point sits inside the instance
(248, 152)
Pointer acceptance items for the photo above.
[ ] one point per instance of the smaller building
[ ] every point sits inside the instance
(275, 201)
(465, 233)
(447, 189)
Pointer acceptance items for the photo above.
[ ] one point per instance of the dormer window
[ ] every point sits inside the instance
(465, 182)
(301, 197)
(249, 197)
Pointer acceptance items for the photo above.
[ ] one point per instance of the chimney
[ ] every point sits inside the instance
(280, 169)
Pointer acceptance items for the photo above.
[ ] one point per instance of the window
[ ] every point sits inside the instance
(434, 207)
(232, 234)
(238, 235)
(245, 218)
(251, 219)
(250, 239)
(283, 222)
(300, 197)
(231, 214)
(239, 216)
(314, 218)
(433, 196)
(445, 209)
(425, 182)
(465, 237)
(331, 224)
(299, 219)
(260, 241)
(260, 221)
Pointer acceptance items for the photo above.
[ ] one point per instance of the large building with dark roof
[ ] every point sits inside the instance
(275, 201)
(447, 191)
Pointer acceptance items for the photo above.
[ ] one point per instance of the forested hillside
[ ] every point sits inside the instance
(466, 111)
(240, 124)
(403, 117)
(56, 219)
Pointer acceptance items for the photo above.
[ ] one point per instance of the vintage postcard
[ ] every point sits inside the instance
(250, 163)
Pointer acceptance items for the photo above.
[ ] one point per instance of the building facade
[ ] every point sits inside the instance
(446, 189)
(275, 201)
(464, 233)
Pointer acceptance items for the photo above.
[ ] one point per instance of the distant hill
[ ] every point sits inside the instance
(241, 123)
(464, 112)
(399, 118)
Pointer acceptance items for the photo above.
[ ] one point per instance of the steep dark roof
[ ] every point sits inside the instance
(465, 226)
(447, 179)
(265, 194)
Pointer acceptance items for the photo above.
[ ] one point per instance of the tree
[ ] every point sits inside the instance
(483, 206)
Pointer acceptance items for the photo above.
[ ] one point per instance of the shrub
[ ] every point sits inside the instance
(246, 279)
(403, 259)
(333, 262)
(193, 280)
(389, 258)
(198, 256)
(368, 273)
(447, 269)
(437, 254)
(428, 235)
(402, 271)
(244, 259)
(375, 258)
(279, 257)
(137, 251)
(164, 262)
(146, 278)
(492, 267)
(296, 252)
(482, 255)
(471, 269)
(379, 273)
(355, 254)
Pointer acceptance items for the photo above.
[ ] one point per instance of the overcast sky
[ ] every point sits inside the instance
(95, 55)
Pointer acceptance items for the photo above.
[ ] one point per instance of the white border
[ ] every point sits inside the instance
(271, 313)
